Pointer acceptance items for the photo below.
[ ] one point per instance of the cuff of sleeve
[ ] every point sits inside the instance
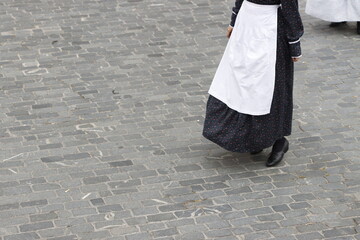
(295, 49)
(233, 19)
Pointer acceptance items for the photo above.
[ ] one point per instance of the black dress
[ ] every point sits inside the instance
(239, 132)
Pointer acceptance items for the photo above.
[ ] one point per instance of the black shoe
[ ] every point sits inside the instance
(280, 147)
(336, 24)
(256, 152)
(358, 28)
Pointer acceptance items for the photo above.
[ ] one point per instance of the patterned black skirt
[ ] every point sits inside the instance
(239, 132)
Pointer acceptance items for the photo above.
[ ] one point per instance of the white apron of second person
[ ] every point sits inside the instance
(245, 78)
(334, 10)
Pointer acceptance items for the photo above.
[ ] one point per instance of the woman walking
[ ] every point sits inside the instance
(337, 12)
(250, 104)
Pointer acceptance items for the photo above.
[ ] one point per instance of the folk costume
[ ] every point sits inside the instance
(335, 11)
(250, 104)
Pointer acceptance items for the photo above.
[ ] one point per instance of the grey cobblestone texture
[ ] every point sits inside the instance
(102, 105)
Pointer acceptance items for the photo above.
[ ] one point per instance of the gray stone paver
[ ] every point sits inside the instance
(102, 104)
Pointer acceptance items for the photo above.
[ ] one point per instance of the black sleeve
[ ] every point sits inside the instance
(235, 11)
(295, 28)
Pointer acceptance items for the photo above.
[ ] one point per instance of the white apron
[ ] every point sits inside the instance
(334, 10)
(245, 78)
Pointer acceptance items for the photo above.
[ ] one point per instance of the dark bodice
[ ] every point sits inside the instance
(265, 2)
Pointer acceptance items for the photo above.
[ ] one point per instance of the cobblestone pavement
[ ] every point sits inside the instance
(102, 104)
